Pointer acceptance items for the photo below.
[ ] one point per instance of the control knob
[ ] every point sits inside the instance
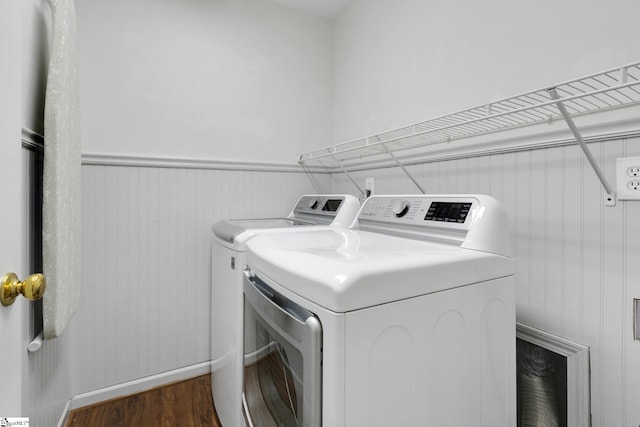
(313, 203)
(400, 208)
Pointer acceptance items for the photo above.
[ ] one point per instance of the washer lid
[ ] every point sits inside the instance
(344, 270)
(229, 229)
(339, 210)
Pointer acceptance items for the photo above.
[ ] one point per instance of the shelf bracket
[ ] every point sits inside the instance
(401, 166)
(348, 175)
(610, 196)
(624, 76)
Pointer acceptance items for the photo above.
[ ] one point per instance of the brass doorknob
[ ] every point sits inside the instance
(32, 288)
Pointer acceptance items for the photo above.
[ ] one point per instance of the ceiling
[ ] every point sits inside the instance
(328, 9)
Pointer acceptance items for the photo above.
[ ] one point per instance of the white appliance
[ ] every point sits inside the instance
(408, 320)
(228, 260)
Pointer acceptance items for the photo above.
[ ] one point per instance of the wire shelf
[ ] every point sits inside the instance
(611, 89)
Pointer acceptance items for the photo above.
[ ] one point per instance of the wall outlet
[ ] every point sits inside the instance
(369, 184)
(628, 178)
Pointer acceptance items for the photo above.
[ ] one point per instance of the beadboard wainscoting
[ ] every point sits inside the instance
(145, 304)
(578, 262)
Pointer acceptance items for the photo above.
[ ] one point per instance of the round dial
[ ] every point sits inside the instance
(313, 203)
(400, 208)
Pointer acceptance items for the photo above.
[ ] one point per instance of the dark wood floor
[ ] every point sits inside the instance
(185, 403)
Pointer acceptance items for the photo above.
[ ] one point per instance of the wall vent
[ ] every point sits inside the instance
(553, 380)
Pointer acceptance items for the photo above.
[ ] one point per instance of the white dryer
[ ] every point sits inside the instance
(408, 320)
(319, 211)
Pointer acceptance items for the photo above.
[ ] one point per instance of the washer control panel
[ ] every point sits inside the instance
(314, 204)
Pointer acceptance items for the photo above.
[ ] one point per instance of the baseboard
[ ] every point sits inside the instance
(65, 415)
(137, 386)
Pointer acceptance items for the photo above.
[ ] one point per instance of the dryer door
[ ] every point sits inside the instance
(283, 377)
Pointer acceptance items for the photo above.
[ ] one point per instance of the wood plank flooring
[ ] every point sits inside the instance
(185, 403)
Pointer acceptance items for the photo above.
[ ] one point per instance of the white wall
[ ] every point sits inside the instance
(399, 62)
(245, 80)
(146, 298)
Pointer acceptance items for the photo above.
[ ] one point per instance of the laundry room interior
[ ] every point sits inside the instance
(196, 111)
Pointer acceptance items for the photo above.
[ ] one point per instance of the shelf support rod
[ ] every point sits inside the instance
(314, 182)
(610, 196)
(348, 175)
(406, 172)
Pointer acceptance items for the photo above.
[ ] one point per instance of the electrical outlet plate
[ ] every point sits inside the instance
(636, 319)
(628, 178)
(369, 184)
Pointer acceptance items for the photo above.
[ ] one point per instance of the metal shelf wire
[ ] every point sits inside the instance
(611, 89)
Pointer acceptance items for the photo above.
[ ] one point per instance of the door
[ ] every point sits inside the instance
(12, 353)
(283, 377)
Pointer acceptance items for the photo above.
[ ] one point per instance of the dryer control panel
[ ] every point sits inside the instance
(454, 212)
(475, 221)
(448, 211)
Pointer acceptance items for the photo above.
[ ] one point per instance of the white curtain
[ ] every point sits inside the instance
(61, 180)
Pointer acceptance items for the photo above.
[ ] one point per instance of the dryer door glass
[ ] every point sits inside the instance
(282, 374)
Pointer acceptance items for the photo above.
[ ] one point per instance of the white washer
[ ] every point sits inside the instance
(408, 320)
(228, 260)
